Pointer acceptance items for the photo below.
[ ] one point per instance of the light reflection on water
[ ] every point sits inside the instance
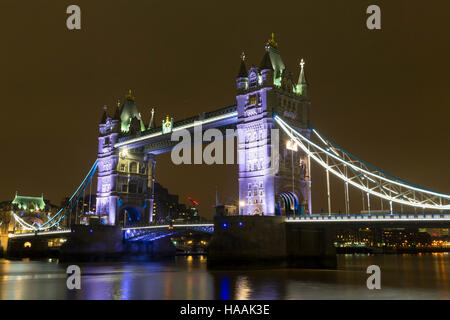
(422, 276)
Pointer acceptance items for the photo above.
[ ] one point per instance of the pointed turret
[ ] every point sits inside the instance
(266, 68)
(302, 84)
(243, 68)
(242, 77)
(151, 124)
(266, 64)
(105, 115)
(117, 113)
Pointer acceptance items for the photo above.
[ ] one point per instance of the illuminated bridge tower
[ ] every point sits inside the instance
(125, 177)
(273, 174)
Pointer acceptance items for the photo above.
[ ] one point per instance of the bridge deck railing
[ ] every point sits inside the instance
(371, 217)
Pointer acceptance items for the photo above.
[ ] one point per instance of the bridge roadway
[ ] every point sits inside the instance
(441, 220)
(154, 141)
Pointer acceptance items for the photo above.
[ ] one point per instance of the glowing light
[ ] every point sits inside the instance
(225, 225)
(242, 203)
(27, 245)
(291, 145)
(124, 152)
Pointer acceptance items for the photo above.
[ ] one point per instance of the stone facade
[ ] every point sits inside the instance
(273, 179)
(125, 177)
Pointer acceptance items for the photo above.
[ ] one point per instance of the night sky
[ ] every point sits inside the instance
(382, 95)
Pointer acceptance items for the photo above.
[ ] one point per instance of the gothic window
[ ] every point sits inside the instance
(122, 167)
(106, 140)
(133, 167)
(140, 188)
(249, 186)
(124, 188)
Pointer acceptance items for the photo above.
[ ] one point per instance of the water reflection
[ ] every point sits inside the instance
(423, 276)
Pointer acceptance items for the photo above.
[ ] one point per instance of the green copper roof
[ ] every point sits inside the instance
(277, 62)
(29, 203)
(129, 110)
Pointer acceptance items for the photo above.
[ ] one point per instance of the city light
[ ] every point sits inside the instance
(291, 145)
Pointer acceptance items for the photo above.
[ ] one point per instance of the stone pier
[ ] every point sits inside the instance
(269, 241)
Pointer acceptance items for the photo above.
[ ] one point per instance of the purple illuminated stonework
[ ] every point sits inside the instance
(125, 177)
(273, 179)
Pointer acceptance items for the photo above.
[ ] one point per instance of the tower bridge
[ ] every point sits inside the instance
(276, 146)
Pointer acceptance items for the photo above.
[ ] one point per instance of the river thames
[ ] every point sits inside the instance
(415, 276)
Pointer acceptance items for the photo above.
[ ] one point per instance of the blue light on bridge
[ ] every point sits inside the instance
(225, 225)
(240, 223)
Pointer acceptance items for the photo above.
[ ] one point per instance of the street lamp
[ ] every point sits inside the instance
(242, 205)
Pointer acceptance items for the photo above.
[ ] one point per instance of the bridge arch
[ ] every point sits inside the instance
(287, 204)
(132, 214)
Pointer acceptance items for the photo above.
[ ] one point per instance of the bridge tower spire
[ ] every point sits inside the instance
(302, 83)
(241, 80)
(151, 124)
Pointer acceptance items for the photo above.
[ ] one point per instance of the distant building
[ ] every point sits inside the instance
(166, 206)
(226, 210)
(30, 211)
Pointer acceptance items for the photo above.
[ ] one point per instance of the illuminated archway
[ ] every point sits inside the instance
(287, 204)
